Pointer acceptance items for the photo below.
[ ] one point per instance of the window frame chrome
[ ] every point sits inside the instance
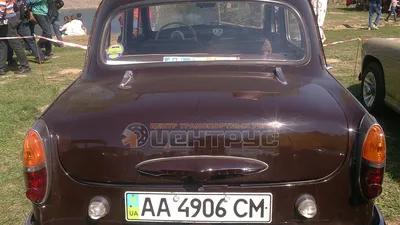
(115, 65)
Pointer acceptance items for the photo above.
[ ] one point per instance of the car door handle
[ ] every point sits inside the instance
(200, 168)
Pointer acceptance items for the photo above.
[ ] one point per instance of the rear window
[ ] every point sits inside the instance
(205, 31)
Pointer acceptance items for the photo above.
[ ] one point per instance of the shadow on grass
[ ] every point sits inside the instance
(390, 121)
(355, 90)
(348, 26)
(349, 9)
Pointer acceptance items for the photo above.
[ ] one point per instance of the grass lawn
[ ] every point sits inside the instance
(24, 97)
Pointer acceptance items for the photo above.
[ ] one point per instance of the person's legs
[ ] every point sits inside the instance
(379, 12)
(10, 56)
(323, 37)
(49, 34)
(395, 14)
(371, 14)
(56, 27)
(323, 6)
(17, 45)
(390, 13)
(24, 30)
(3, 49)
(32, 27)
(44, 23)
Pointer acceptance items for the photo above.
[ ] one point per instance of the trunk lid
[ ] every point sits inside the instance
(289, 133)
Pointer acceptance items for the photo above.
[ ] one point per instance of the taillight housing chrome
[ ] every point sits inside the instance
(36, 154)
(373, 158)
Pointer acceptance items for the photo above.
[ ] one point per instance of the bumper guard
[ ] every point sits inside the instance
(28, 220)
(377, 218)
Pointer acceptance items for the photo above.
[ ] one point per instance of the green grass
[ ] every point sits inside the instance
(22, 98)
(342, 17)
(344, 59)
(389, 201)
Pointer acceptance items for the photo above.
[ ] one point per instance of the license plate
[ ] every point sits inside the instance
(198, 207)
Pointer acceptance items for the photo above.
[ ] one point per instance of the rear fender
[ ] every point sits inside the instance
(367, 121)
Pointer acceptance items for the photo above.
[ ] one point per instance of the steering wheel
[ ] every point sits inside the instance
(179, 23)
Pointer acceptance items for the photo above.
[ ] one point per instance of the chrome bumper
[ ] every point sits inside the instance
(377, 218)
(28, 220)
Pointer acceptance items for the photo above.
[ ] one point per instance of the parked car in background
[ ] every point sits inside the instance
(380, 80)
(207, 112)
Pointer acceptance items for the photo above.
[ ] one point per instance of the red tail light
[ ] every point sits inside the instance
(373, 165)
(35, 167)
(36, 183)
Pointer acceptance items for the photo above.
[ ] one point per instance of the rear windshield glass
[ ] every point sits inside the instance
(205, 31)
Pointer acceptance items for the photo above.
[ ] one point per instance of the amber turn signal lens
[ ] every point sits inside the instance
(33, 150)
(374, 149)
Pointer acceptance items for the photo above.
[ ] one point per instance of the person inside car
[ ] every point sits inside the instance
(136, 21)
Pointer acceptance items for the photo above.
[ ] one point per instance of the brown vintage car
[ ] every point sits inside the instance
(205, 112)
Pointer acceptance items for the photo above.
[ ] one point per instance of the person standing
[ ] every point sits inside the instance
(21, 9)
(393, 10)
(320, 7)
(54, 6)
(8, 28)
(10, 58)
(32, 21)
(374, 7)
(40, 12)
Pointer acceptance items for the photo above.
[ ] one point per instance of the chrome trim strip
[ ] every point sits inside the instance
(103, 63)
(365, 125)
(28, 220)
(41, 128)
(375, 165)
(34, 169)
(377, 218)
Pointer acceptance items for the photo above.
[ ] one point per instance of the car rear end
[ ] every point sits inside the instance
(60, 199)
(227, 144)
